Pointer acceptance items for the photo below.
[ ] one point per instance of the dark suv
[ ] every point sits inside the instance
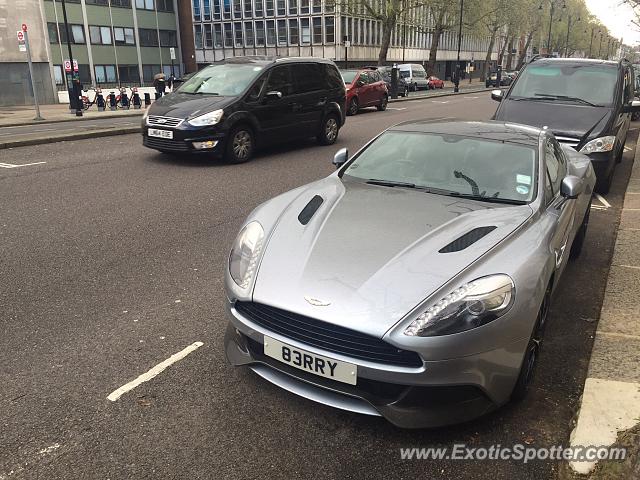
(232, 107)
(587, 104)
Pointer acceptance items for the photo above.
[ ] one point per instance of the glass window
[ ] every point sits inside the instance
(308, 77)
(129, 37)
(197, 29)
(149, 37)
(256, 89)
(555, 166)
(77, 31)
(282, 32)
(282, 7)
(237, 8)
(329, 30)
(57, 74)
(222, 79)
(118, 35)
(227, 8)
(128, 73)
(216, 9)
(269, 4)
(206, 10)
(94, 35)
(208, 36)
(248, 32)
(239, 36)
(257, 5)
(148, 5)
(247, 9)
(164, 5)
(317, 6)
(450, 163)
(140, 4)
(305, 31)
(217, 30)
(228, 35)
(293, 31)
(304, 6)
(329, 6)
(317, 30)
(52, 28)
(271, 32)
(121, 3)
(195, 5)
(105, 33)
(168, 38)
(293, 7)
(280, 81)
(260, 34)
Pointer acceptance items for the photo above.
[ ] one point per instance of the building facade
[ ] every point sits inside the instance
(228, 28)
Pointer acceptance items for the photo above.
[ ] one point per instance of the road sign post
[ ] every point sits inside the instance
(23, 37)
(72, 85)
(172, 52)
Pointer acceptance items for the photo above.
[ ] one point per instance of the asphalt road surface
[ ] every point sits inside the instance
(111, 261)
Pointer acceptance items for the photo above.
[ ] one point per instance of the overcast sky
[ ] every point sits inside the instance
(617, 19)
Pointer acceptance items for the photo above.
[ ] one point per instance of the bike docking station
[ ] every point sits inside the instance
(100, 100)
(112, 102)
(124, 99)
(135, 98)
(147, 100)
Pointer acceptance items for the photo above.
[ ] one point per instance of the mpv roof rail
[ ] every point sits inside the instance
(539, 56)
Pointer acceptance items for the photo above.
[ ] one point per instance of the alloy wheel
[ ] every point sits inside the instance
(242, 145)
(331, 129)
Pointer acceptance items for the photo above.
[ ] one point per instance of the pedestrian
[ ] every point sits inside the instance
(170, 82)
(159, 84)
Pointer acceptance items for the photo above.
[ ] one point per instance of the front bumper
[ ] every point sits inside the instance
(436, 394)
(183, 140)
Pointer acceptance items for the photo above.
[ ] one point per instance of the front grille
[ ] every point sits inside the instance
(571, 141)
(158, 121)
(327, 336)
(165, 144)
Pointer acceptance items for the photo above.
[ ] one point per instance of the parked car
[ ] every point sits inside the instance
(365, 88)
(492, 80)
(435, 82)
(230, 108)
(415, 75)
(403, 86)
(587, 103)
(434, 312)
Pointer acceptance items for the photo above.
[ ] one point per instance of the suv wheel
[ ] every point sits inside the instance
(578, 242)
(353, 107)
(603, 184)
(240, 145)
(329, 130)
(383, 104)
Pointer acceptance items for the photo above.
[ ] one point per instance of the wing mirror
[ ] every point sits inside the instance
(571, 187)
(359, 83)
(497, 95)
(272, 96)
(341, 157)
(631, 107)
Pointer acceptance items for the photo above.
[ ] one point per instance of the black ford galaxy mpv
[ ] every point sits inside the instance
(230, 108)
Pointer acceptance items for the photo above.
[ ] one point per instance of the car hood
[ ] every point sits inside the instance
(183, 105)
(561, 118)
(369, 254)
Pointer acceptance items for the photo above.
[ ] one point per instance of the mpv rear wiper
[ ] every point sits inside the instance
(482, 198)
(544, 96)
(390, 183)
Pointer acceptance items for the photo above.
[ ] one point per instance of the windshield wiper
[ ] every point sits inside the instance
(482, 198)
(390, 183)
(545, 96)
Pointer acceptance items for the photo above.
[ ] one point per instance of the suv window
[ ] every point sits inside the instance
(280, 81)
(308, 77)
(334, 79)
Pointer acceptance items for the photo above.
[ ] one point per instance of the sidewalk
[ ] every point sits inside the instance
(20, 115)
(611, 397)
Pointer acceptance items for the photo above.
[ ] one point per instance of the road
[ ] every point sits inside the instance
(111, 261)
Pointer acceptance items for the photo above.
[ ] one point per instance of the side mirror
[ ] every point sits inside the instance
(571, 187)
(631, 107)
(497, 95)
(272, 96)
(341, 157)
(359, 83)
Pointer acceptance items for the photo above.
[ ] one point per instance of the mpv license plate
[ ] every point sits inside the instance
(156, 132)
(310, 362)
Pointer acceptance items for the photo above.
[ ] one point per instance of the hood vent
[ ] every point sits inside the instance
(467, 239)
(310, 209)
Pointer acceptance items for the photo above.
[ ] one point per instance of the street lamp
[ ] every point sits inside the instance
(593, 29)
(72, 85)
(600, 46)
(566, 45)
(553, 7)
(456, 89)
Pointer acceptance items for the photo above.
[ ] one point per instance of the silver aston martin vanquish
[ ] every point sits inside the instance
(415, 281)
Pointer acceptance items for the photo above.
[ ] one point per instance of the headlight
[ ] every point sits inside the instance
(245, 254)
(470, 306)
(210, 118)
(602, 144)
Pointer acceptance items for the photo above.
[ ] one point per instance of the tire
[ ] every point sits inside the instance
(603, 184)
(383, 104)
(329, 130)
(240, 145)
(578, 242)
(354, 107)
(531, 354)
(620, 154)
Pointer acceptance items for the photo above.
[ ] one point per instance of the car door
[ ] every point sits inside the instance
(561, 210)
(365, 89)
(310, 95)
(274, 114)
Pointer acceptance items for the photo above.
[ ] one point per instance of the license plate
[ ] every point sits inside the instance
(156, 132)
(310, 362)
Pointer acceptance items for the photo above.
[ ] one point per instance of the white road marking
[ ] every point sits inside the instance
(145, 377)
(50, 449)
(11, 165)
(391, 108)
(603, 201)
(471, 98)
(627, 149)
(440, 101)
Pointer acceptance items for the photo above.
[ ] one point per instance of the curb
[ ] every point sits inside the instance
(74, 119)
(74, 136)
(463, 91)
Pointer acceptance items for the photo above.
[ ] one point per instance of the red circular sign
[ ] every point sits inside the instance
(24, 27)
(20, 36)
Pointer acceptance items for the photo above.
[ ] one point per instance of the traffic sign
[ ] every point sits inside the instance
(20, 36)
(347, 43)
(67, 65)
(172, 52)
(24, 27)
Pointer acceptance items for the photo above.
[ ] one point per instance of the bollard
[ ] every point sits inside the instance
(158, 95)
(135, 98)
(100, 100)
(124, 99)
(112, 101)
(147, 99)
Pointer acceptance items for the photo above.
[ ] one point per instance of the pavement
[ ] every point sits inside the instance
(610, 406)
(112, 262)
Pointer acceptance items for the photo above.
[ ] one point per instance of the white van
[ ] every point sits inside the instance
(415, 75)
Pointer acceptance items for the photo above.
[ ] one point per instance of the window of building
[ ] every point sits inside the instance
(97, 2)
(195, 5)
(216, 9)
(100, 35)
(317, 6)
(282, 32)
(293, 7)
(269, 8)
(129, 74)
(206, 10)
(258, 8)
(282, 7)
(260, 33)
(294, 38)
(329, 30)
(237, 8)
(52, 28)
(228, 35)
(197, 36)
(208, 36)
(217, 31)
(149, 5)
(121, 3)
(226, 11)
(165, 5)
(84, 72)
(105, 73)
(271, 32)
(148, 72)
(239, 37)
(248, 32)
(148, 37)
(77, 34)
(168, 38)
(57, 74)
(124, 36)
(247, 9)
(304, 6)
(317, 30)
(305, 31)
(330, 6)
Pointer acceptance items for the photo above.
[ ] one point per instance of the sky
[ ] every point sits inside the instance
(617, 18)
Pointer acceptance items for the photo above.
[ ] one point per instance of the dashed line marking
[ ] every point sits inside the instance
(11, 165)
(145, 377)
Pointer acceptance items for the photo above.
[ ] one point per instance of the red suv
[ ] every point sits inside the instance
(365, 88)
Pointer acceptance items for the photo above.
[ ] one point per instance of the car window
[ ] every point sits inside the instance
(554, 167)
(451, 163)
(334, 79)
(227, 79)
(256, 89)
(348, 75)
(308, 77)
(364, 78)
(280, 81)
(628, 86)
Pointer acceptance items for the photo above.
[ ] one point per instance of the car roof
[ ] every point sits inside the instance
(574, 61)
(268, 60)
(490, 130)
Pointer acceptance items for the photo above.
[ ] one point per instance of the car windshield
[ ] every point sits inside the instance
(227, 79)
(595, 84)
(449, 165)
(419, 72)
(348, 75)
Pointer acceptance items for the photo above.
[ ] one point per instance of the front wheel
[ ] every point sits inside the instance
(329, 131)
(603, 184)
(578, 242)
(353, 107)
(383, 104)
(240, 145)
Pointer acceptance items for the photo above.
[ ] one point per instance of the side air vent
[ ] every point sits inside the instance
(310, 209)
(467, 239)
